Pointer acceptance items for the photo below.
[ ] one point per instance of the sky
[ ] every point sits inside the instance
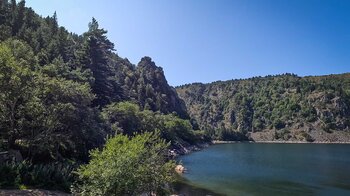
(210, 40)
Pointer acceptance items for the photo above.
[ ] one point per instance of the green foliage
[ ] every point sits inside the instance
(65, 124)
(46, 117)
(279, 124)
(127, 118)
(124, 117)
(266, 103)
(97, 51)
(230, 135)
(16, 90)
(54, 84)
(48, 176)
(127, 166)
(59, 94)
(283, 134)
(174, 129)
(309, 113)
(305, 136)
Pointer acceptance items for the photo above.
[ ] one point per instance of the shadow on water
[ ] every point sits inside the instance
(271, 187)
(340, 185)
(185, 188)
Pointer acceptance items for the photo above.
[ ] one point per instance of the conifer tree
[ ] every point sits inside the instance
(98, 49)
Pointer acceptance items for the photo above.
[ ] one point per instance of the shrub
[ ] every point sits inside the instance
(279, 124)
(306, 136)
(127, 166)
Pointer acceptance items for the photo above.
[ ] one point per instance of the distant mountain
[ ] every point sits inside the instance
(282, 107)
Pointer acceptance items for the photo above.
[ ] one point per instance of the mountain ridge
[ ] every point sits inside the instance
(282, 107)
(260, 76)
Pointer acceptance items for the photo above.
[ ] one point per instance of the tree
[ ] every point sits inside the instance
(64, 125)
(123, 117)
(98, 50)
(4, 16)
(127, 166)
(127, 118)
(16, 90)
(18, 17)
(43, 112)
(175, 129)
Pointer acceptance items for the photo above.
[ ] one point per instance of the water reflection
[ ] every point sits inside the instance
(271, 169)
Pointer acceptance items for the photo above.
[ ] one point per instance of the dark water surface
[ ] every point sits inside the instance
(269, 169)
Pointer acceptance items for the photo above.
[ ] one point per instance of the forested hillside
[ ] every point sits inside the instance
(76, 116)
(282, 107)
(56, 87)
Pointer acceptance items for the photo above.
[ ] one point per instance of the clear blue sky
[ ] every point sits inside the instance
(209, 40)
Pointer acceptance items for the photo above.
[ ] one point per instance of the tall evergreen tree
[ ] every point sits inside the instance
(3, 11)
(18, 17)
(99, 49)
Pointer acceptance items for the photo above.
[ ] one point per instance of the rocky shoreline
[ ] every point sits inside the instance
(183, 150)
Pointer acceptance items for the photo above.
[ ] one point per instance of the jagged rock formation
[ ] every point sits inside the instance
(147, 85)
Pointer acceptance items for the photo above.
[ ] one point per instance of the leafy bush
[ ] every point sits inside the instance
(127, 118)
(127, 166)
(306, 136)
(279, 124)
(282, 134)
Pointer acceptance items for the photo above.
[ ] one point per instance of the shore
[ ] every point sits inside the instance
(278, 142)
(183, 150)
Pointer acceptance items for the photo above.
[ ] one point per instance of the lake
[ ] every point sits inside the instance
(268, 169)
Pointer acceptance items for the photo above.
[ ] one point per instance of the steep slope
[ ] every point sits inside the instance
(92, 57)
(282, 107)
(54, 86)
(146, 84)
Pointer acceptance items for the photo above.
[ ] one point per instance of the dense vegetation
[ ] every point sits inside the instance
(128, 119)
(63, 94)
(128, 167)
(54, 85)
(282, 107)
(24, 175)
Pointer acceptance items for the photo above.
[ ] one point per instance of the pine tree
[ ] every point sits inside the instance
(98, 49)
(18, 16)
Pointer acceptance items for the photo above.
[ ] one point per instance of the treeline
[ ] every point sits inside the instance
(290, 107)
(58, 89)
(83, 119)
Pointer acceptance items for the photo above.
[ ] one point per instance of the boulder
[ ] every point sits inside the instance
(180, 169)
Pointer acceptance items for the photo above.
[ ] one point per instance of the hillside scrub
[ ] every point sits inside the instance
(286, 107)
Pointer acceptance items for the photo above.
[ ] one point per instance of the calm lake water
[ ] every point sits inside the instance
(268, 169)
